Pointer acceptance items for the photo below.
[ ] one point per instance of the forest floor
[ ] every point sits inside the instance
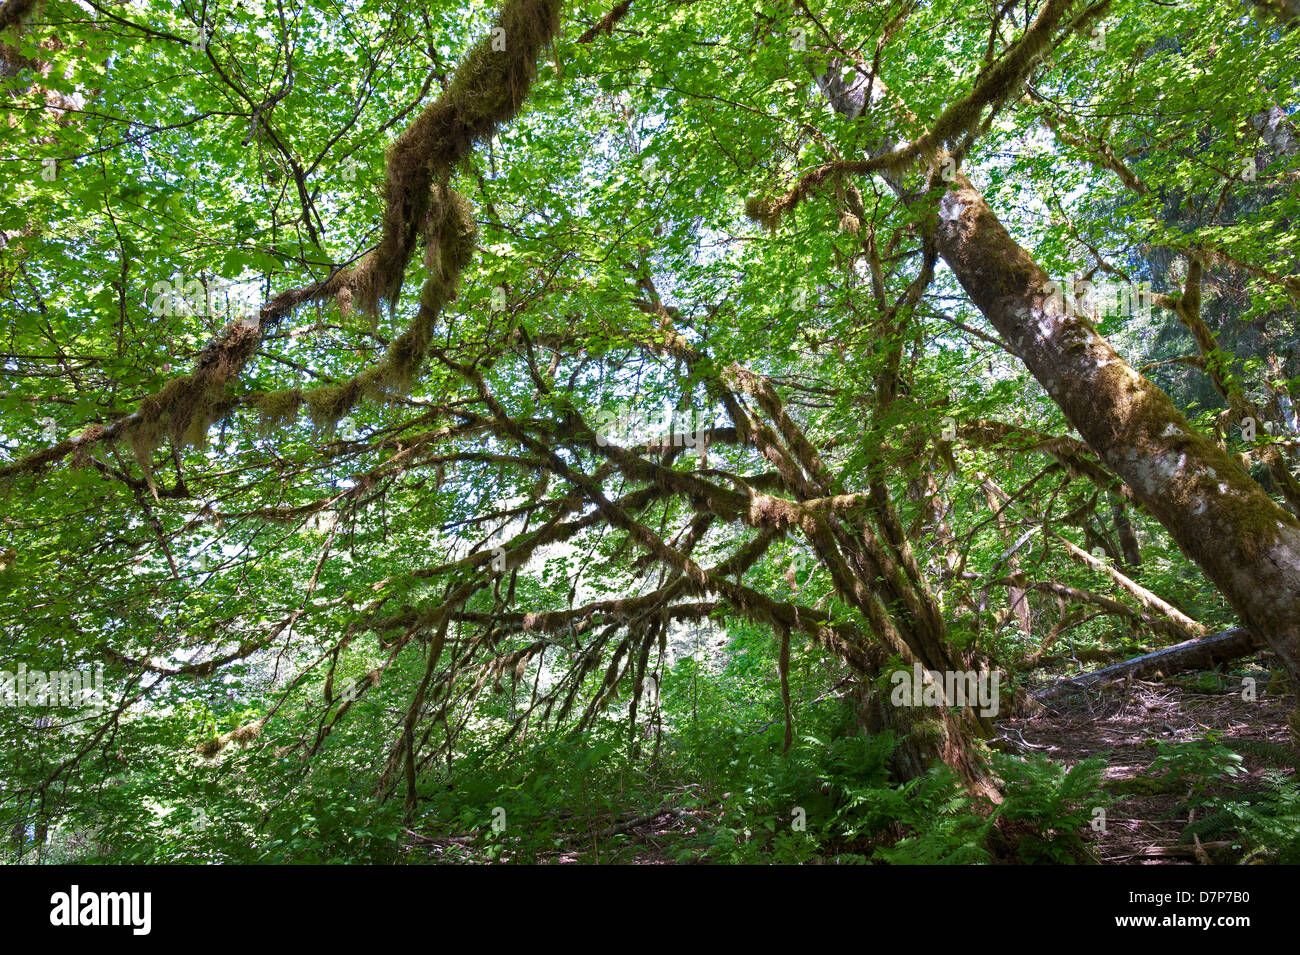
(1176, 749)
(1136, 727)
(1133, 726)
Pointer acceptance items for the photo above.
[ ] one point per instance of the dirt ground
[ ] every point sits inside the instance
(1125, 723)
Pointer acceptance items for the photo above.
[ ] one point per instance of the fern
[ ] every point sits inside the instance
(1276, 754)
(1050, 807)
(949, 840)
(1199, 764)
(1267, 827)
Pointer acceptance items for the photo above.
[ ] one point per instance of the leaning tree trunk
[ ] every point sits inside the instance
(1246, 543)
(927, 736)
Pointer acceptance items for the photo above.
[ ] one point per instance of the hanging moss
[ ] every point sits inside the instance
(486, 91)
(450, 236)
(243, 735)
(328, 403)
(246, 734)
(195, 432)
(187, 406)
(404, 358)
(764, 212)
(144, 439)
(373, 383)
(450, 232)
(344, 299)
(278, 408)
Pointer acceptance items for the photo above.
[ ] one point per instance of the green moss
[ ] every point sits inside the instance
(404, 357)
(328, 403)
(763, 211)
(454, 242)
(1144, 786)
(373, 383)
(927, 732)
(208, 748)
(1255, 527)
(278, 408)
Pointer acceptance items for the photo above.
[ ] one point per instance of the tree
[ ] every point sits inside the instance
(507, 403)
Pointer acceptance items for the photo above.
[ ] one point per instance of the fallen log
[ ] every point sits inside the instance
(1189, 655)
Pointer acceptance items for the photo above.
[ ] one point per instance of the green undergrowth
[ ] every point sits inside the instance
(736, 797)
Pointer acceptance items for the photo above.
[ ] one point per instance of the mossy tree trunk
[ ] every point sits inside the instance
(1246, 543)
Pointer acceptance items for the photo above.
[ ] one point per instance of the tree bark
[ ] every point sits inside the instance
(1017, 597)
(1203, 652)
(1246, 543)
(1149, 600)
